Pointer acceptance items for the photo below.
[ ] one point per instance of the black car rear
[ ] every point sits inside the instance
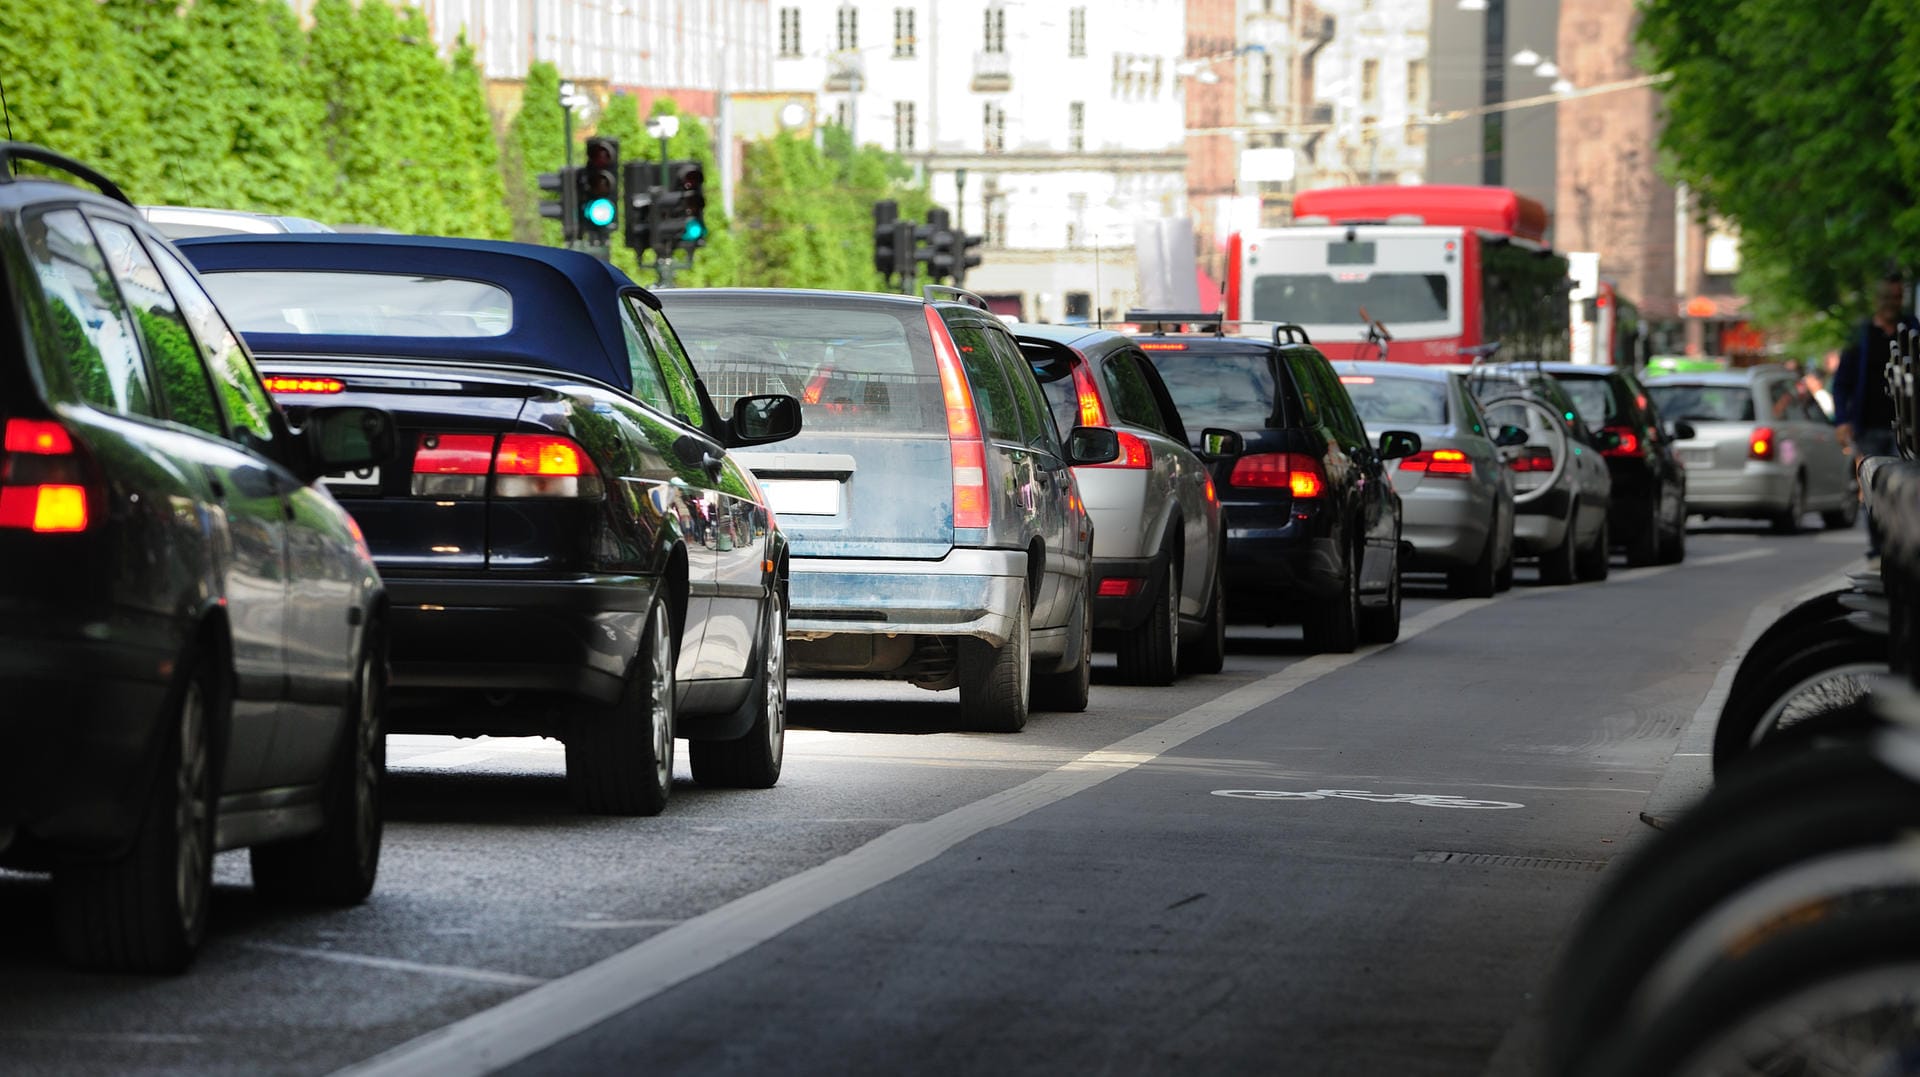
(1312, 522)
(1648, 515)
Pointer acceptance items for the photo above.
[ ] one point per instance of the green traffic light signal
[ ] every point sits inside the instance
(599, 212)
(695, 232)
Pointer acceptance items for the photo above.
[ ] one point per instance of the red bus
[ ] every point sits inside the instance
(1445, 270)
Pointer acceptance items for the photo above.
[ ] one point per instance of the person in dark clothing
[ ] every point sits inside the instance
(1863, 412)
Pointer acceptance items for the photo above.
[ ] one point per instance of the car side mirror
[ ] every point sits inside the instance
(1510, 435)
(1092, 445)
(1217, 442)
(758, 420)
(1395, 444)
(1682, 430)
(345, 438)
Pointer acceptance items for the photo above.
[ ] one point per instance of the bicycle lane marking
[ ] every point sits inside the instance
(560, 1009)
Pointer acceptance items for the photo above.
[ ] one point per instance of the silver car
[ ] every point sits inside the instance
(1456, 493)
(1761, 447)
(937, 534)
(1157, 595)
(192, 222)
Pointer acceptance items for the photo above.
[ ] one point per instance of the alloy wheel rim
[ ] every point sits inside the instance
(1173, 616)
(367, 769)
(777, 679)
(660, 699)
(1025, 663)
(191, 779)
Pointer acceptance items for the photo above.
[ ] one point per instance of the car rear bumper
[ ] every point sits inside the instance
(570, 637)
(1758, 489)
(1269, 566)
(1446, 525)
(1126, 611)
(1541, 524)
(969, 592)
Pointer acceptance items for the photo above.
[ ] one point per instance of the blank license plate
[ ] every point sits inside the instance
(803, 497)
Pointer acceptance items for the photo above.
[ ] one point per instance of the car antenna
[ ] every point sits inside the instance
(1099, 316)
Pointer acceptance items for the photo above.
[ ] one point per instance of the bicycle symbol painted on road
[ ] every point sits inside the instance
(1423, 800)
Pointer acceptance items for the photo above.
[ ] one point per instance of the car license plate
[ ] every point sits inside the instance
(1696, 457)
(366, 478)
(802, 497)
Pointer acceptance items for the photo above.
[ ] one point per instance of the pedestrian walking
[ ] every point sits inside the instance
(1863, 410)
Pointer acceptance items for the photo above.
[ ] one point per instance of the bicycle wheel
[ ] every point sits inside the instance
(1830, 672)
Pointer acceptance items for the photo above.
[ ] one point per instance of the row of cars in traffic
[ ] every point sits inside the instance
(269, 497)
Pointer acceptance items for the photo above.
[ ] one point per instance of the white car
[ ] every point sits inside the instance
(189, 222)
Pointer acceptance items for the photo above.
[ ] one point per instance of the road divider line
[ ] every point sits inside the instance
(394, 964)
(553, 1012)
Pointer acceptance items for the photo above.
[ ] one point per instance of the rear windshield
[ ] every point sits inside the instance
(1597, 399)
(1713, 403)
(855, 368)
(1387, 399)
(360, 304)
(1234, 390)
(1323, 299)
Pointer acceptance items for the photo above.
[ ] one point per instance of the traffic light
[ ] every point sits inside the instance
(942, 245)
(688, 181)
(564, 207)
(641, 178)
(966, 257)
(600, 190)
(886, 257)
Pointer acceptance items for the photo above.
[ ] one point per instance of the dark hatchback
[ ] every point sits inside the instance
(194, 653)
(571, 549)
(1312, 520)
(1648, 512)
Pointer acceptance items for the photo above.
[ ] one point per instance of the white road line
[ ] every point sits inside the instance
(603, 925)
(394, 964)
(546, 1015)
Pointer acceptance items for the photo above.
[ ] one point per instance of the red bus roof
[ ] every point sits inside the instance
(1495, 209)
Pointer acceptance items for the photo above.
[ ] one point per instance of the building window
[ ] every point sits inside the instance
(1416, 133)
(843, 115)
(1266, 81)
(995, 202)
(1416, 81)
(996, 37)
(1369, 80)
(1076, 31)
(1077, 126)
(789, 32)
(903, 33)
(1076, 218)
(994, 128)
(903, 127)
(849, 27)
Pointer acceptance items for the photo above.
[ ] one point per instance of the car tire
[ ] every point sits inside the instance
(337, 865)
(1558, 564)
(995, 681)
(1596, 560)
(1504, 581)
(1644, 545)
(753, 760)
(1209, 654)
(146, 912)
(1787, 520)
(1673, 548)
(1819, 676)
(620, 758)
(1150, 653)
(1334, 626)
(1844, 517)
(1482, 578)
(1382, 625)
(1067, 690)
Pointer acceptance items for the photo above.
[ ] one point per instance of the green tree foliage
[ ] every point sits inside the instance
(56, 56)
(535, 144)
(1800, 123)
(478, 182)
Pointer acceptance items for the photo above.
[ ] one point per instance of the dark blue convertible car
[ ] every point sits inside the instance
(568, 549)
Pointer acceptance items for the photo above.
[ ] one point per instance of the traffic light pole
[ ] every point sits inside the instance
(663, 260)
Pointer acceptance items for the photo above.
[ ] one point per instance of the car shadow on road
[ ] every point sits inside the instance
(934, 714)
(533, 800)
(30, 947)
(1280, 640)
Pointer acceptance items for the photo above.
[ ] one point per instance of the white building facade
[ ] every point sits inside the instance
(1051, 126)
(1372, 84)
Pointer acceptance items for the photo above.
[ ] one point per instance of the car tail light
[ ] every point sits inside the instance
(1297, 472)
(1120, 587)
(972, 501)
(1135, 454)
(1629, 441)
(303, 383)
(452, 465)
(543, 465)
(1159, 347)
(43, 479)
(1356, 379)
(1091, 412)
(1760, 445)
(1438, 462)
(1533, 460)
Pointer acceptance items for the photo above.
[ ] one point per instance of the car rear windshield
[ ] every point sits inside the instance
(855, 367)
(1713, 403)
(1597, 399)
(1233, 389)
(360, 304)
(1387, 399)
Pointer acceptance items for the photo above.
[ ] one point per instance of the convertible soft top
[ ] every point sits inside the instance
(566, 303)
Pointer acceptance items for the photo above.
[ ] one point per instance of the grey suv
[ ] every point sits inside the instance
(936, 531)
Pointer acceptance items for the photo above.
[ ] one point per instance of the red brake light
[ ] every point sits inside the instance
(971, 505)
(1438, 462)
(301, 383)
(453, 454)
(1760, 446)
(1629, 441)
(541, 454)
(1135, 454)
(38, 437)
(961, 421)
(1535, 460)
(1119, 587)
(1356, 379)
(1167, 347)
(1091, 413)
(972, 501)
(1297, 472)
(43, 484)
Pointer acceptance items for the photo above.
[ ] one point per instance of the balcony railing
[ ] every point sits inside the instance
(992, 72)
(846, 71)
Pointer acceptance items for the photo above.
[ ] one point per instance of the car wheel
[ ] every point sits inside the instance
(994, 681)
(147, 911)
(1334, 627)
(337, 865)
(1150, 654)
(1643, 545)
(1068, 689)
(1596, 560)
(1788, 520)
(752, 761)
(1209, 654)
(1482, 578)
(1504, 582)
(620, 758)
(1383, 625)
(1557, 564)
(1673, 547)
(1843, 517)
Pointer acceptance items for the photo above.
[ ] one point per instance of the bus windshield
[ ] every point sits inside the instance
(1326, 299)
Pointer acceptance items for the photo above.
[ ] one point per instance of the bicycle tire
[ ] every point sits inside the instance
(1762, 708)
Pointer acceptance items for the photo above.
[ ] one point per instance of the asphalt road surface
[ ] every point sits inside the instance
(1305, 864)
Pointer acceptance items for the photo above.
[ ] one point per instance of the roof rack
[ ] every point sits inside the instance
(934, 293)
(1160, 319)
(27, 151)
(1289, 333)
